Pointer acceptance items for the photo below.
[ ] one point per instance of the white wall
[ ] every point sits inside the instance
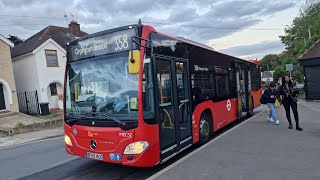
(47, 74)
(26, 73)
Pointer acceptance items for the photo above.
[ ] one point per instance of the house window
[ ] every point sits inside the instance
(53, 89)
(52, 58)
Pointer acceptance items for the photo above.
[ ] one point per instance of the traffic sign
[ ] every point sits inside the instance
(289, 67)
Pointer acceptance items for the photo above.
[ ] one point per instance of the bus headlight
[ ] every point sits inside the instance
(136, 147)
(67, 140)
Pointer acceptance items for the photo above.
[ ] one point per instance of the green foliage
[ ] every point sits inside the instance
(15, 40)
(270, 60)
(279, 72)
(300, 36)
(19, 125)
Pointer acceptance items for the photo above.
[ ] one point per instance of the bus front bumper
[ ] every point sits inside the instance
(148, 158)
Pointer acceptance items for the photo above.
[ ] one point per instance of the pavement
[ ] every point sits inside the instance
(15, 140)
(257, 149)
(17, 123)
(314, 105)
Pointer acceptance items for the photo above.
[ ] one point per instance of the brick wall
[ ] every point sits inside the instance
(6, 73)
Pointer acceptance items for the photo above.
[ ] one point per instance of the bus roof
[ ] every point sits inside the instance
(203, 46)
(176, 38)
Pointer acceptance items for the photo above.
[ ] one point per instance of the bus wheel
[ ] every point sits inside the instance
(204, 129)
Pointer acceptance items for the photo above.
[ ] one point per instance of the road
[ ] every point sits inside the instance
(47, 159)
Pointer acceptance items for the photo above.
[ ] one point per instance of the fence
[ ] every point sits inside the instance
(28, 102)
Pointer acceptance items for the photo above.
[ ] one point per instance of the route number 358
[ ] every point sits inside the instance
(121, 42)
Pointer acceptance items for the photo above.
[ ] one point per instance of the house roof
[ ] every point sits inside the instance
(312, 52)
(6, 40)
(60, 35)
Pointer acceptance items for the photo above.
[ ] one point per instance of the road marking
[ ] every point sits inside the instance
(199, 149)
(31, 142)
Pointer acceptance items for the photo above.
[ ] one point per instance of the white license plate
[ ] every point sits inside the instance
(94, 156)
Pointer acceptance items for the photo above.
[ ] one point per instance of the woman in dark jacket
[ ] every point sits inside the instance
(289, 99)
(270, 95)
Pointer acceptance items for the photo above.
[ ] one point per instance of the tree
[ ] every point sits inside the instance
(270, 61)
(299, 37)
(15, 40)
(279, 72)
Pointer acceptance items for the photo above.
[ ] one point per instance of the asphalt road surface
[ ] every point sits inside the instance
(47, 159)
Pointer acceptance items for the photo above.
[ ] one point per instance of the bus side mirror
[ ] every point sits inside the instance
(134, 61)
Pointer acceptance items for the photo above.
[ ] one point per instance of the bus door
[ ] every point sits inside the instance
(173, 103)
(243, 75)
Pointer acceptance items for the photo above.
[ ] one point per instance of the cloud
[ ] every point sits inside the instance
(198, 20)
(255, 50)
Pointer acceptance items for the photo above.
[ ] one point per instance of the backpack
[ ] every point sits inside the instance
(263, 100)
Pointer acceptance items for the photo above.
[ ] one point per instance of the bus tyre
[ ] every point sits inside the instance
(204, 129)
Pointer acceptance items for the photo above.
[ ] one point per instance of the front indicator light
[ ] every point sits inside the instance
(67, 140)
(136, 147)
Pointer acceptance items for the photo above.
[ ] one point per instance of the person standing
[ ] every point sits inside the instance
(289, 99)
(270, 95)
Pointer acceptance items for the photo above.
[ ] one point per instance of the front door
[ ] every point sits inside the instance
(173, 103)
(2, 102)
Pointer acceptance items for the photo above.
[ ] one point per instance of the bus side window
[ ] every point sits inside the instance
(204, 81)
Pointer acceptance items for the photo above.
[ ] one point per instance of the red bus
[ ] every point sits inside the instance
(137, 97)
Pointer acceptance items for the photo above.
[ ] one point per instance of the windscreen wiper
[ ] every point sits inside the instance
(109, 117)
(77, 118)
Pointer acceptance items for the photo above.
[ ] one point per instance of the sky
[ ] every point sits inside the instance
(248, 29)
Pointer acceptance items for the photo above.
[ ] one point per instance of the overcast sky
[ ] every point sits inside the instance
(248, 29)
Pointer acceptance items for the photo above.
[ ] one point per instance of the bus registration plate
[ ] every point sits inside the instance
(94, 156)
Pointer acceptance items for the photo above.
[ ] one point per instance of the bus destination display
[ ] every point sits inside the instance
(104, 44)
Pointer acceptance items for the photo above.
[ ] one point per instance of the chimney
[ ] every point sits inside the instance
(74, 27)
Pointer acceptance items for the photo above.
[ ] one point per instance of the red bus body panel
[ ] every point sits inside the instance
(222, 116)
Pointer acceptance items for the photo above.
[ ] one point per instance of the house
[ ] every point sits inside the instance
(8, 96)
(39, 62)
(310, 60)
